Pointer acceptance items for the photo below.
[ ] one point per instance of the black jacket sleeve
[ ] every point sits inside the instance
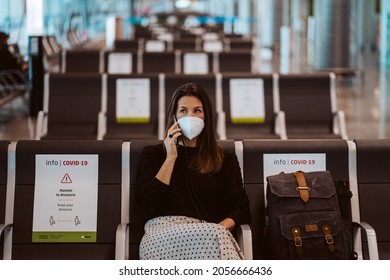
(150, 192)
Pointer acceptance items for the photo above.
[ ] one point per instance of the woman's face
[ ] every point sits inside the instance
(189, 106)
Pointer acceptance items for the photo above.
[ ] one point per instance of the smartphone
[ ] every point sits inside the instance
(177, 139)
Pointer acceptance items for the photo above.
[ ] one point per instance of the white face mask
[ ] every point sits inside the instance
(191, 126)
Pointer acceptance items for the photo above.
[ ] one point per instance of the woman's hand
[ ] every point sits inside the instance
(165, 172)
(228, 223)
(170, 141)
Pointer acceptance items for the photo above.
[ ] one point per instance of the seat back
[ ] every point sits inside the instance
(260, 157)
(235, 61)
(127, 45)
(234, 84)
(240, 44)
(136, 96)
(73, 102)
(186, 44)
(77, 215)
(308, 101)
(138, 215)
(82, 61)
(373, 181)
(158, 62)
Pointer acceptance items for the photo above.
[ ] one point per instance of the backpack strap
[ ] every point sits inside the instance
(296, 232)
(328, 237)
(302, 186)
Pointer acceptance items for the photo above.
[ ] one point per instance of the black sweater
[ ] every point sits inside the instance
(221, 194)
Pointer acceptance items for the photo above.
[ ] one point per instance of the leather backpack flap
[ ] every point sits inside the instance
(317, 184)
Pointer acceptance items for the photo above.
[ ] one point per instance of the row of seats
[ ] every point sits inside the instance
(127, 62)
(274, 106)
(179, 31)
(13, 84)
(28, 166)
(165, 42)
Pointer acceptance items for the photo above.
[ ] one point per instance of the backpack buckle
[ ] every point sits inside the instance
(328, 237)
(297, 240)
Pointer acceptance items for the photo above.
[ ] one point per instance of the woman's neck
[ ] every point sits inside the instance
(189, 143)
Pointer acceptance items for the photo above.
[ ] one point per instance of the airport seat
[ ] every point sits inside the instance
(158, 62)
(70, 107)
(186, 44)
(52, 52)
(265, 122)
(13, 84)
(138, 217)
(54, 44)
(128, 45)
(3, 184)
(234, 44)
(262, 158)
(86, 221)
(234, 61)
(373, 181)
(140, 31)
(309, 103)
(82, 61)
(130, 107)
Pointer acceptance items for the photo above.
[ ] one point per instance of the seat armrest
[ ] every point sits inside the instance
(161, 126)
(371, 239)
(280, 124)
(102, 125)
(41, 128)
(244, 240)
(6, 232)
(4, 227)
(122, 242)
(221, 125)
(339, 125)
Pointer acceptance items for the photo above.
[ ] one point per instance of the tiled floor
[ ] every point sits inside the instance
(364, 98)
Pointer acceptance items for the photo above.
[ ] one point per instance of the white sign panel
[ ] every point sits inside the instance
(154, 46)
(168, 37)
(133, 100)
(120, 63)
(289, 163)
(65, 198)
(247, 101)
(212, 46)
(196, 63)
(210, 36)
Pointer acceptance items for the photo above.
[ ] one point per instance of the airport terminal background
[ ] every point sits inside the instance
(362, 71)
(352, 43)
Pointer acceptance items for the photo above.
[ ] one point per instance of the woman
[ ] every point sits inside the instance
(191, 187)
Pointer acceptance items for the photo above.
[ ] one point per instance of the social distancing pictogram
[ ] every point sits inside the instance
(66, 179)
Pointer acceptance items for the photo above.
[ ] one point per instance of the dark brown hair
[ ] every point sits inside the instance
(210, 155)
